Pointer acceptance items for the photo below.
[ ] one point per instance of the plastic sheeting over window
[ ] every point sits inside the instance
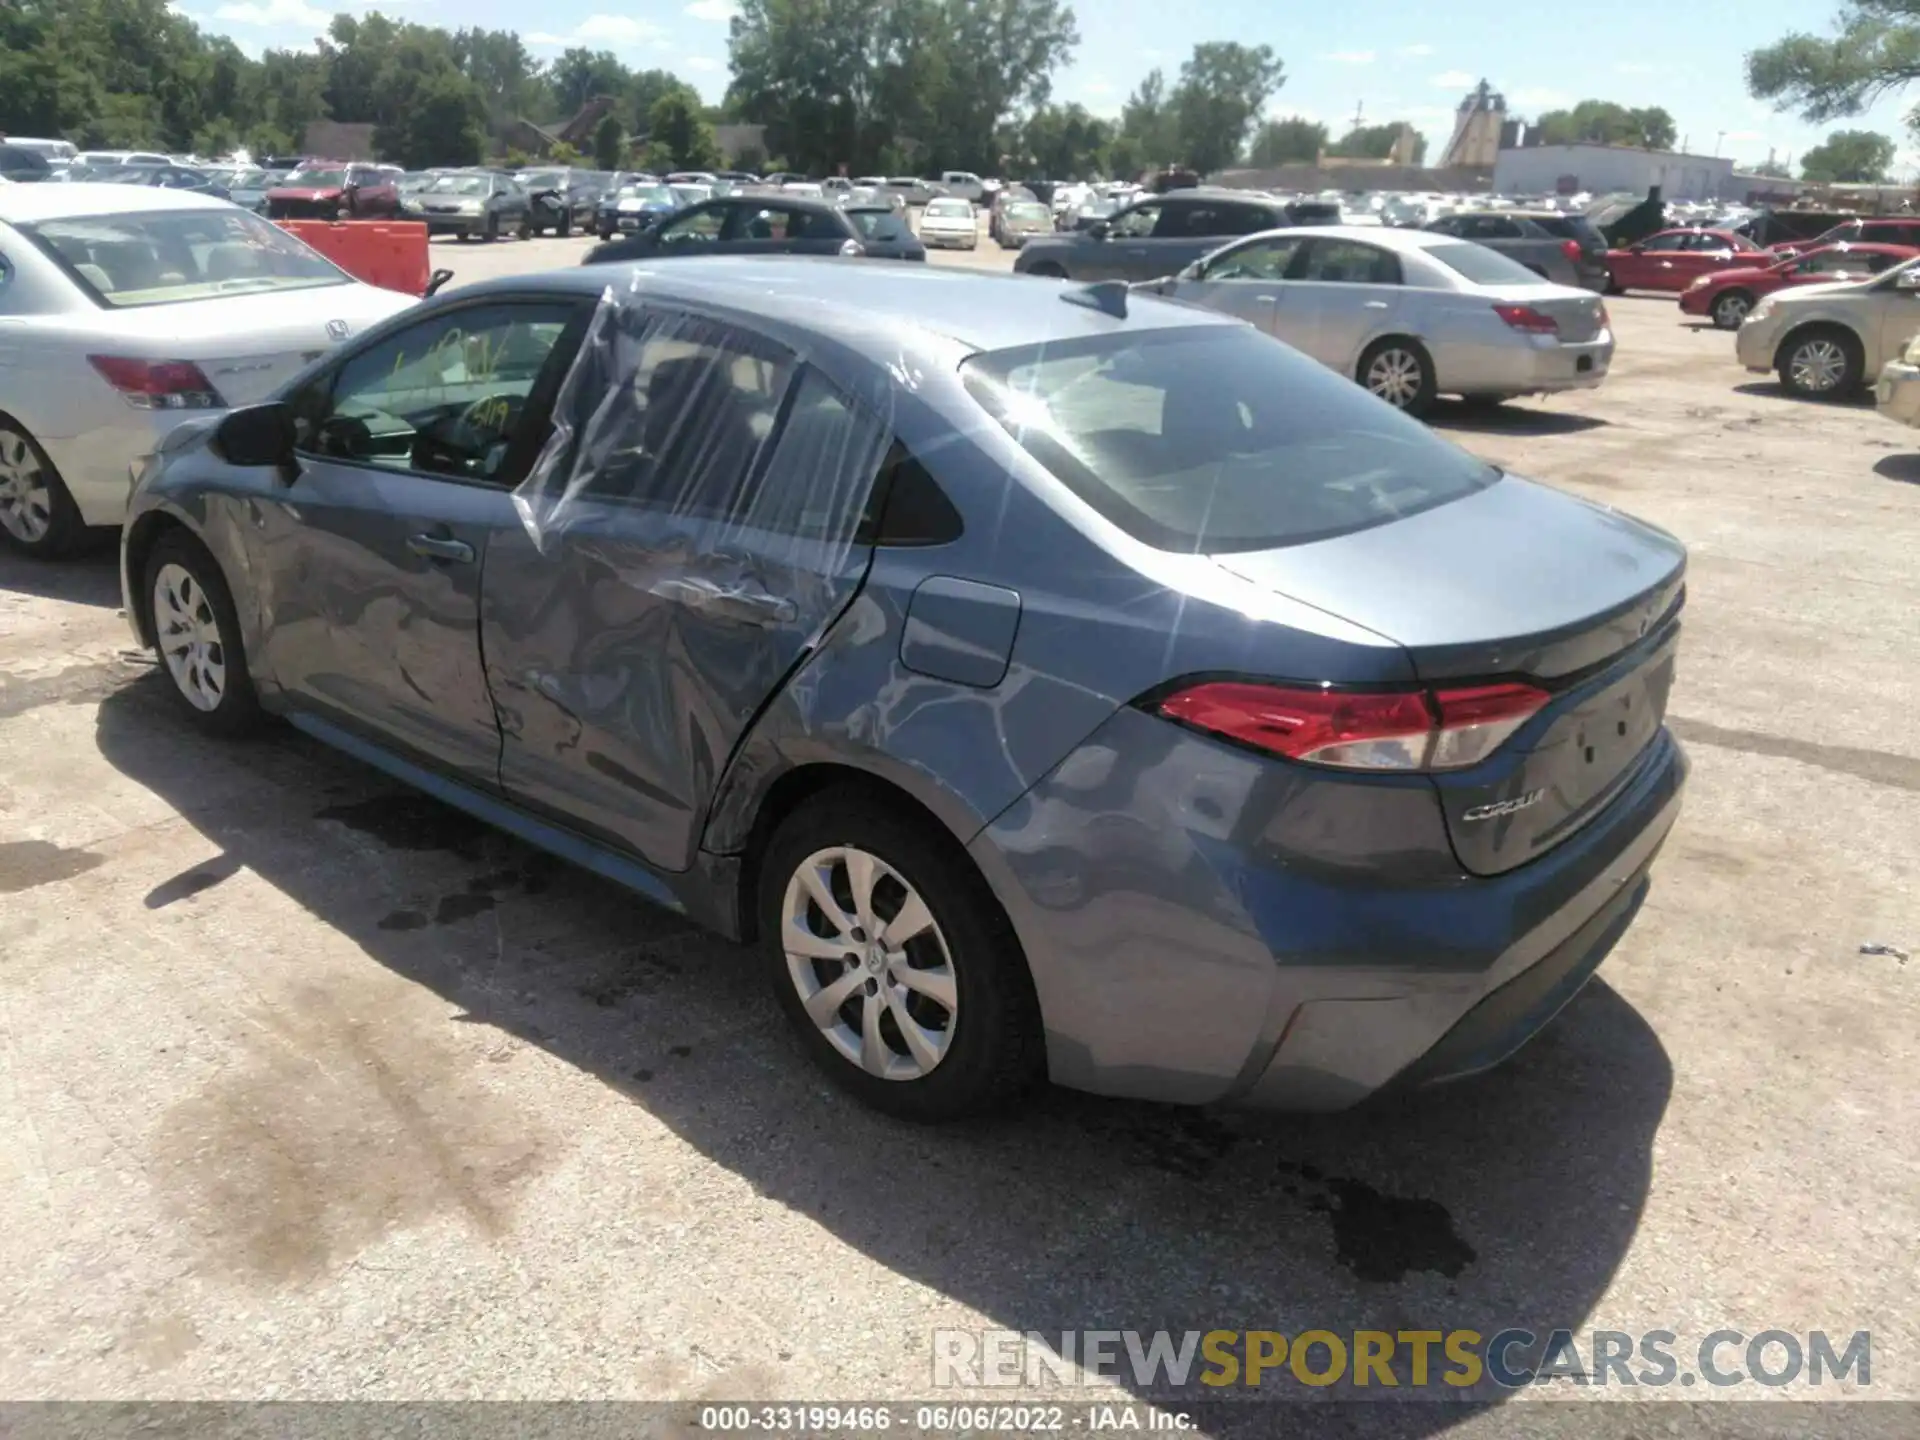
(711, 427)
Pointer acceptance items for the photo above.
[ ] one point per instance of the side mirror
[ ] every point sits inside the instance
(1907, 280)
(435, 281)
(1098, 230)
(259, 435)
(1636, 249)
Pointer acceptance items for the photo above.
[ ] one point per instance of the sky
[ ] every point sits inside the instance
(1386, 60)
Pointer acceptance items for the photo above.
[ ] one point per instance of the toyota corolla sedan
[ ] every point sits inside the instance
(126, 310)
(1050, 682)
(1409, 314)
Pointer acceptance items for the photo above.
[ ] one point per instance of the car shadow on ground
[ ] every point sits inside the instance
(1861, 399)
(1904, 468)
(89, 576)
(1507, 1200)
(1510, 419)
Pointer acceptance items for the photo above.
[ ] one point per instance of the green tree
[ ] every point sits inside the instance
(1147, 137)
(439, 119)
(580, 75)
(609, 142)
(1376, 142)
(1873, 51)
(1221, 89)
(1065, 142)
(1602, 122)
(1292, 141)
(678, 135)
(1860, 157)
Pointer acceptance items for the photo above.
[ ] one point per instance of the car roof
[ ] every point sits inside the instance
(1384, 237)
(867, 300)
(27, 204)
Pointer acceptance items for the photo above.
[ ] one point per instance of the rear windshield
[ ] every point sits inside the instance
(1481, 265)
(878, 224)
(949, 209)
(316, 179)
(167, 257)
(1217, 439)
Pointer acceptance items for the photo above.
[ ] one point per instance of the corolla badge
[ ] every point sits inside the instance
(337, 329)
(1504, 807)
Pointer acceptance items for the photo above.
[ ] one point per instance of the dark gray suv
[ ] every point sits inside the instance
(1565, 249)
(1157, 236)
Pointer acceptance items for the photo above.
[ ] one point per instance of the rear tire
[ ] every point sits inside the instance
(1614, 287)
(936, 1023)
(1731, 309)
(1822, 362)
(197, 632)
(37, 513)
(1400, 372)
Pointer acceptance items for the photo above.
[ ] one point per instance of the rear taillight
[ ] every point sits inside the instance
(1525, 317)
(158, 384)
(1360, 730)
(1571, 249)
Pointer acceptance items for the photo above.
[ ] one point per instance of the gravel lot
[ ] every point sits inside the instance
(312, 1089)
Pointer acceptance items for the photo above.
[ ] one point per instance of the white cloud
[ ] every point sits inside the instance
(1454, 80)
(621, 32)
(1351, 57)
(1415, 50)
(287, 13)
(719, 11)
(701, 62)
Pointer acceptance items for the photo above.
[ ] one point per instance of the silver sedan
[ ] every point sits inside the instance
(1407, 314)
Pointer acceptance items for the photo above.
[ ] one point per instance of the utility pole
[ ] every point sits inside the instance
(1716, 143)
(1359, 109)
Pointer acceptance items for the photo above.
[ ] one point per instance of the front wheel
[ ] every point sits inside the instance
(493, 229)
(1730, 310)
(197, 632)
(565, 227)
(1399, 372)
(1821, 363)
(894, 963)
(1048, 270)
(37, 515)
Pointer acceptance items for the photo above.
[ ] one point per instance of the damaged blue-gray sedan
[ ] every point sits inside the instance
(1051, 682)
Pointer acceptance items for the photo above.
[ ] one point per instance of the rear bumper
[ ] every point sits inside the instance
(1304, 962)
(1591, 275)
(101, 464)
(1526, 366)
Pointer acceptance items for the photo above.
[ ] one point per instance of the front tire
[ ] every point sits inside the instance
(565, 227)
(894, 962)
(492, 232)
(197, 632)
(1047, 270)
(37, 513)
(1731, 309)
(1400, 372)
(1821, 363)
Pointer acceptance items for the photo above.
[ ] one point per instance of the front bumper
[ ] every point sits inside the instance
(451, 224)
(949, 240)
(1896, 394)
(1756, 343)
(1181, 953)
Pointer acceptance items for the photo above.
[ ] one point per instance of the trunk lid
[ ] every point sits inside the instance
(248, 344)
(1514, 581)
(1580, 314)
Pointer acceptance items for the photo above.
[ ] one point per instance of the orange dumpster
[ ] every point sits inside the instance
(389, 253)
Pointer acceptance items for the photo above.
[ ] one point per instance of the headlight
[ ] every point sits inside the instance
(1700, 282)
(1760, 312)
(469, 207)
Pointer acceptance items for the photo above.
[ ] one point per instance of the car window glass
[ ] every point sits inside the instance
(445, 397)
(1663, 243)
(1135, 224)
(1877, 262)
(696, 227)
(761, 223)
(1257, 260)
(821, 468)
(1199, 222)
(1348, 262)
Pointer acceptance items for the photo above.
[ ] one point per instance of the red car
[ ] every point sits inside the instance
(1727, 295)
(331, 190)
(1674, 259)
(1865, 230)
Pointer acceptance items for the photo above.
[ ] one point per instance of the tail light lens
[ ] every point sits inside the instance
(1405, 730)
(158, 384)
(1525, 317)
(1571, 249)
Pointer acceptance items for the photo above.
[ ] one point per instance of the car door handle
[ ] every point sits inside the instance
(1375, 305)
(441, 547)
(755, 607)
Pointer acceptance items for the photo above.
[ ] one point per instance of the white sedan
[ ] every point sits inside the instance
(125, 310)
(1409, 314)
(949, 223)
